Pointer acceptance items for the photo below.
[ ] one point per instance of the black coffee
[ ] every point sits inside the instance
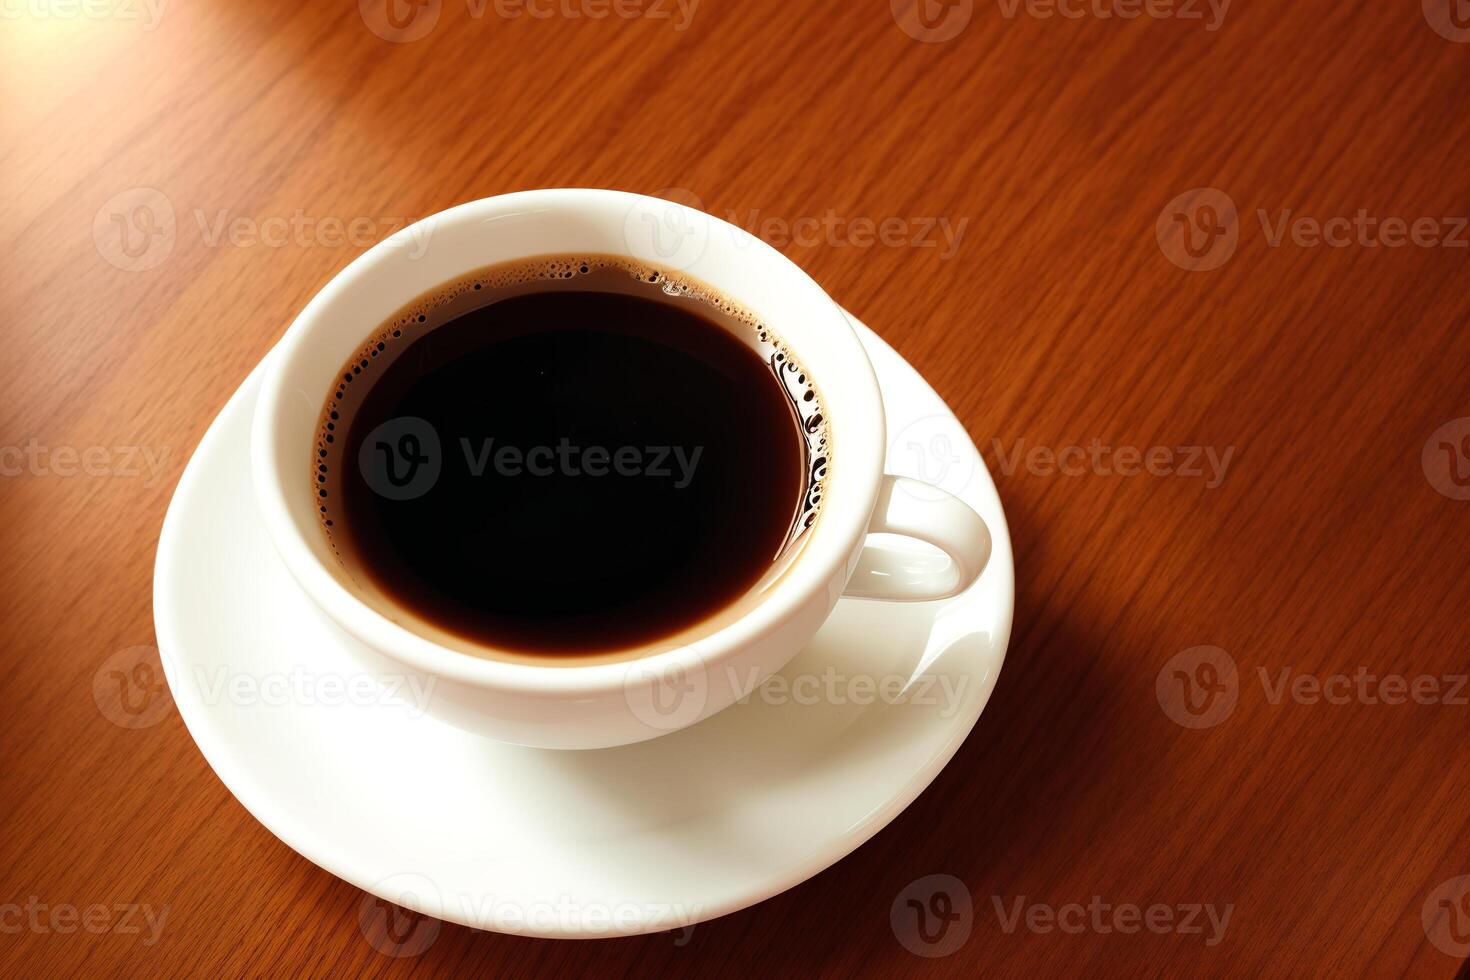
(569, 457)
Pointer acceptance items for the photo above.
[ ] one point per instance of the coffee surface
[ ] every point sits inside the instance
(577, 463)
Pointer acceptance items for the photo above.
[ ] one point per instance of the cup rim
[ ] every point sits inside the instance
(856, 468)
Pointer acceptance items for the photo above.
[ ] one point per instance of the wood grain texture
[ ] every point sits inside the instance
(1057, 319)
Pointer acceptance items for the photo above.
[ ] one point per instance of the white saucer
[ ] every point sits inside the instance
(534, 842)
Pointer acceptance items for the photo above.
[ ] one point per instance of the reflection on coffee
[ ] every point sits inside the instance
(570, 456)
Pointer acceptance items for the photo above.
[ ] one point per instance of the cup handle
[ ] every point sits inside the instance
(918, 510)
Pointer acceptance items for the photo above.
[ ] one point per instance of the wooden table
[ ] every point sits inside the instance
(1158, 246)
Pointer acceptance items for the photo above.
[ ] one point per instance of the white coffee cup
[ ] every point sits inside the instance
(647, 692)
